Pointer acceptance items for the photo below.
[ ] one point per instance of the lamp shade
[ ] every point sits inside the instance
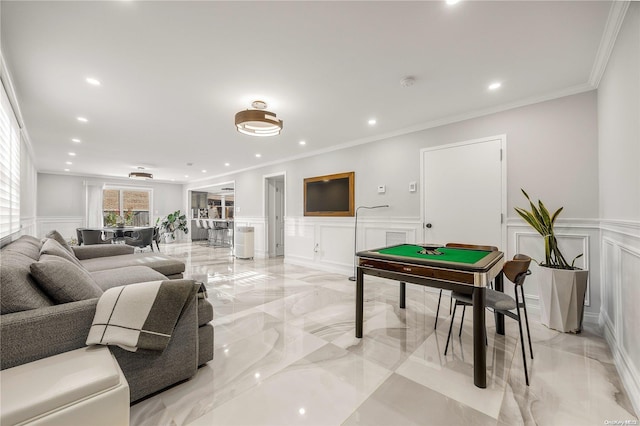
(255, 122)
(140, 175)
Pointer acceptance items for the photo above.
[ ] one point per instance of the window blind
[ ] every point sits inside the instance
(9, 168)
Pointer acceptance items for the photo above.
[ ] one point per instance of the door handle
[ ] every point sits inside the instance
(428, 225)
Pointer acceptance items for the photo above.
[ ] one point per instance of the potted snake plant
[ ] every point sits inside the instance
(562, 286)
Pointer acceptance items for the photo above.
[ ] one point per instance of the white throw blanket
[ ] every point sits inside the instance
(141, 316)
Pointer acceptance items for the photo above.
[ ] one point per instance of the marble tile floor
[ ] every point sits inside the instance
(285, 354)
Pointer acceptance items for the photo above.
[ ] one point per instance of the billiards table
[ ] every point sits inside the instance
(458, 269)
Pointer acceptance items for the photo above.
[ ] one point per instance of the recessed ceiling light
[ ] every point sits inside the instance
(73, 154)
(302, 143)
(92, 81)
(451, 2)
(76, 140)
(372, 122)
(258, 155)
(186, 176)
(82, 119)
(68, 162)
(204, 171)
(66, 170)
(227, 164)
(173, 180)
(494, 86)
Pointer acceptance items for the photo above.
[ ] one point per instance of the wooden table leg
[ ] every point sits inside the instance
(359, 302)
(403, 297)
(499, 286)
(479, 349)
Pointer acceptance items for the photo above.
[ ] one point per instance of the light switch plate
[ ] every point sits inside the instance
(412, 187)
(382, 189)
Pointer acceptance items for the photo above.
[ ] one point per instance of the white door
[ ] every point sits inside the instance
(464, 193)
(275, 215)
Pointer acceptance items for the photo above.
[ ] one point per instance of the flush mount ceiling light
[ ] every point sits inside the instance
(258, 121)
(140, 174)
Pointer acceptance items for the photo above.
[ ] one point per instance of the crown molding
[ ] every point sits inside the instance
(616, 16)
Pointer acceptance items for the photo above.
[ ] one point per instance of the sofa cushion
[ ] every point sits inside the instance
(63, 281)
(52, 247)
(59, 238)
(158, 262)
(19, 290)
(27, 245)
(127, 275)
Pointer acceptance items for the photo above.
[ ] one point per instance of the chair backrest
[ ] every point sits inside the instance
(79, 235)
(199, 223)
(206, 224)
(472, 246)
(92, 236)
(145, 236)
(517, 269)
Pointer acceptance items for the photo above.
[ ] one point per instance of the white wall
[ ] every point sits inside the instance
(62, 200)
(619, 154)
(552, 152)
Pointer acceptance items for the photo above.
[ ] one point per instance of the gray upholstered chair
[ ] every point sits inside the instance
(94, 236)
(515, 271)
(140, 238)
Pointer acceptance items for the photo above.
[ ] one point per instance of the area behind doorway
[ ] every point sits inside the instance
(274, 212)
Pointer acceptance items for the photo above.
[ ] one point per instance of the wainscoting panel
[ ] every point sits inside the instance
(29, 226)
(299, 240)
(630, 302)
(335, 246)
(328, 243)
(65, 225)
(610, 284)
(574, 237)
(620, 316)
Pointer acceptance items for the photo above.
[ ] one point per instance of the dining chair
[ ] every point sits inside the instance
(79, 235)
(156, 237)
(140, 238)
(464, 246)
(516, 271)
(94, 236)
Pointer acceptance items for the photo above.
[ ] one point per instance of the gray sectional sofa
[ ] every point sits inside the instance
(49, 292)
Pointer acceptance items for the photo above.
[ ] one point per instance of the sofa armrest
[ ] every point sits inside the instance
(101, 250)
(39, 333)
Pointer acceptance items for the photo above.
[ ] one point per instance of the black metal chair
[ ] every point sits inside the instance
(156, 237)
(516, 271)
(465, 246)
(140, 238)
(94, 236)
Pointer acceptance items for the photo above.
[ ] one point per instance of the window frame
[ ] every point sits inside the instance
(122, 188)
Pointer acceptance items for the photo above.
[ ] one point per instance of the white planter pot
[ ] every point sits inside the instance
(562, 298)
(169, 238)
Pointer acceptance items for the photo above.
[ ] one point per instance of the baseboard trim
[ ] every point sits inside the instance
(630, 379)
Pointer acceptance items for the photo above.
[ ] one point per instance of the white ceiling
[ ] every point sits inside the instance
(175, 73)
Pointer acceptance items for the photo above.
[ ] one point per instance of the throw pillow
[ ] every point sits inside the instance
(51, 246)
(19, 290)
(64, 281)
(59, 238)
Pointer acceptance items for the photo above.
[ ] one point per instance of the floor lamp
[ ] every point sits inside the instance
(355, 237)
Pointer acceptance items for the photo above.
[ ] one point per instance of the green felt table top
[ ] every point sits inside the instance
(455, 255)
